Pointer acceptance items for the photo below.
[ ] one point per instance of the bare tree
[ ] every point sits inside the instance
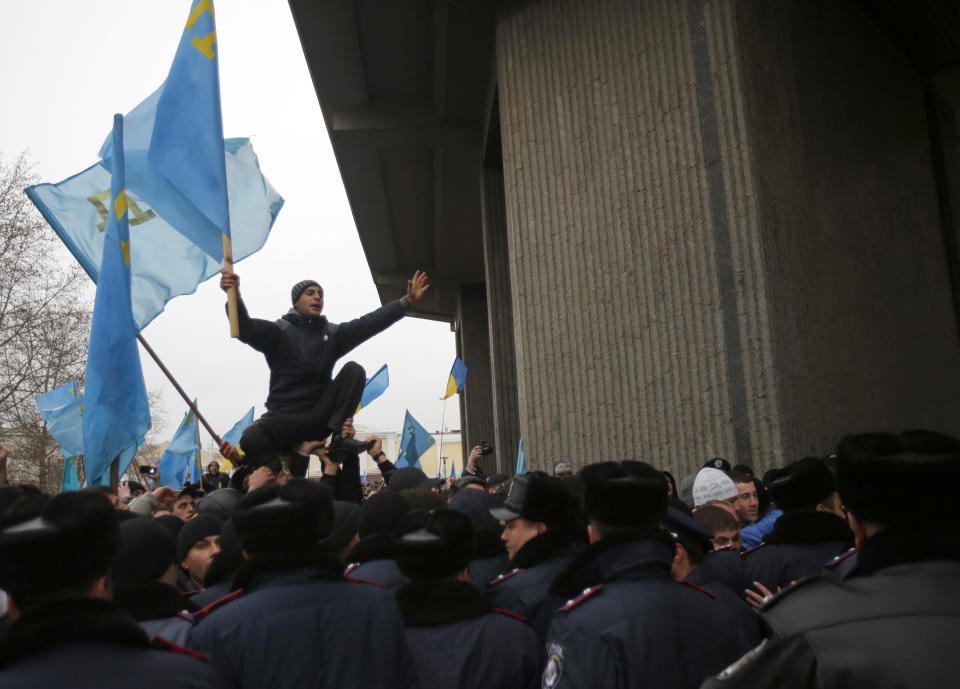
(44, 327)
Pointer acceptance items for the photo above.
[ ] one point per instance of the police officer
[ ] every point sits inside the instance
(295, 621)
(55, 565)
(543, 530)
(456, 637)
(626, 622)
(894, 622)
(810, 532)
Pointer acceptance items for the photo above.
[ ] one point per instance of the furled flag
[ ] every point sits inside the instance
(62, 409)
(71, 479)
(233, 436)
(181, 451)
(165, 264)
(115, 414)
(453, 470)
(521, 460)
(374, 387)
(125, 458)
(174, 145)
(414, 442)
(458, 376)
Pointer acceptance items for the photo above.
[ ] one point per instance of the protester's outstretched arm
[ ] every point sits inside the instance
(472, 467)
(353, 333)
(260, 334)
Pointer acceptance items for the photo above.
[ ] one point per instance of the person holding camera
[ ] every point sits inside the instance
(473, 467)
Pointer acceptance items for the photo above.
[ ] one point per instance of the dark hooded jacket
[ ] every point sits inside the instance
(301, 352)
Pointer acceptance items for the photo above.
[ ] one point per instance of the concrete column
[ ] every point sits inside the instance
(476, 402)
(702, 236)
(500, 315)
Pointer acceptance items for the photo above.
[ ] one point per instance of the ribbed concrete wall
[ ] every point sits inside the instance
(476, 404)
(865, 335)
(503, 362)
(629, 237)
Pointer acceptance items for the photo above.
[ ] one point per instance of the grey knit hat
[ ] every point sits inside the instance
(300, 287)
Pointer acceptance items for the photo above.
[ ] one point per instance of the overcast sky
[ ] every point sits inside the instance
(69, 65)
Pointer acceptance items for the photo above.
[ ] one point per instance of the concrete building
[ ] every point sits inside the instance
(662, 230)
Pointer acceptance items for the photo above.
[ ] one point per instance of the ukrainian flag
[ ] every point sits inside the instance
(458, 376)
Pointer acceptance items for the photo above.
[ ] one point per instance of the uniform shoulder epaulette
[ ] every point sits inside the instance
(586, 593)
(220, 602)
(840, 558)
(167, 645)
(358, 580)
(510, 613)
(350, 567)
(752, 550)
(185, 615)
(792, 588)
(503, 577)
(698, 588)
(187, 594)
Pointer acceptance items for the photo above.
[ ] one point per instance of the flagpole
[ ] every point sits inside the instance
(443, 416)
(179, 389)
(232, 312)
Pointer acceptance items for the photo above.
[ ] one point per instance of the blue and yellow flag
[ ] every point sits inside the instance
(174, 148)
(62, 409)
(181, 452)
(374, 387)
(164, 263)
(458, 376)
(415, 441)
(115, 410)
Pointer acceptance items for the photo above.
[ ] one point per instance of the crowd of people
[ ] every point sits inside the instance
(614, 575)
(834, 571)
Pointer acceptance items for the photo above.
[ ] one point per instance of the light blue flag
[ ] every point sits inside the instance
(453, 470)
(174, 145)
(125, 458)
(71, 479)
(165, 264)
(62, 409)
(115, 410)
(233, 435)
(375, 387)
(521, 460)
(415, 442)
(180, 453)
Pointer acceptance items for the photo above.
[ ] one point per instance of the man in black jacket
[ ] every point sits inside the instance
(301, 349)
(894, 621)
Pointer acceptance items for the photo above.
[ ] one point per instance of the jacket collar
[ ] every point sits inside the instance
(266, 570)
(150, 600)
(431, 603)
(644, 554)
(893, 546)
(294, 318)
(62, 621)
(545, 546)
(808, 526)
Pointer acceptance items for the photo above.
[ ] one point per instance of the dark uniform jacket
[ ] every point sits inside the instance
(372, 560)
(87, 644)
(301, 351)
(627, 624)
(801, 543)
(458, 641)
(720, 567)
(894, 623)
(300, 628)
(524, 589)
(160, 609)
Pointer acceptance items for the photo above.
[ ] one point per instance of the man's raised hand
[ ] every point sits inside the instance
(416, 286)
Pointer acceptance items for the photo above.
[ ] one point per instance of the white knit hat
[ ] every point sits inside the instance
(712, 484)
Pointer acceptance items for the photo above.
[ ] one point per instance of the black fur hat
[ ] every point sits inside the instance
(537, 497)
(284, 520)
(433, 545)
(909, 480)
(624, 493)
(803, 483)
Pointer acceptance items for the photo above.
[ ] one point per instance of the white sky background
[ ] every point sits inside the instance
(69, 65)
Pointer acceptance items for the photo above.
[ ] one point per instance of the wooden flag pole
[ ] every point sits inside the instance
(232, 292)
(186, 399)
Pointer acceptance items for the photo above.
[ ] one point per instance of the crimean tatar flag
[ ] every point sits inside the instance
(115, 411)
(414, 442)
(458, 376)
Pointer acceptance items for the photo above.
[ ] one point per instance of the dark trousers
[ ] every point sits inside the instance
(278, 433)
